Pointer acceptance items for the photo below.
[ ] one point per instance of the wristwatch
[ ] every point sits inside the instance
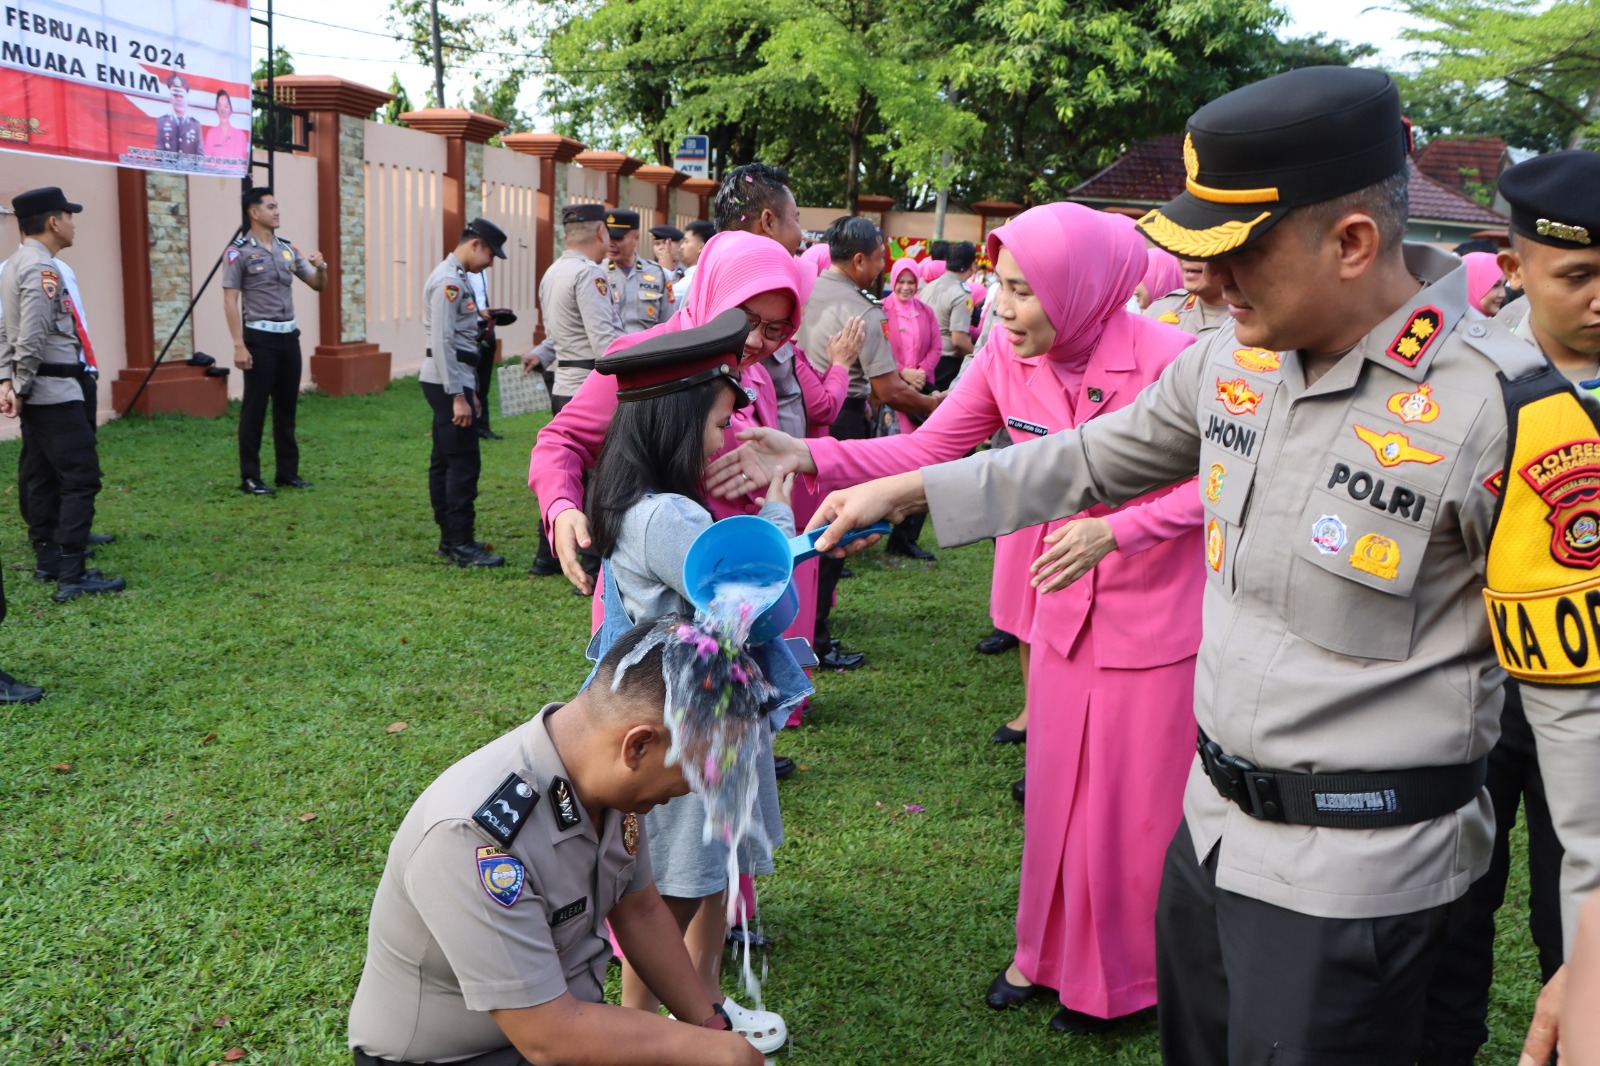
(718, 1020)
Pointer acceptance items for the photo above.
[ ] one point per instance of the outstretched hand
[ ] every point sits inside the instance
(753, 463)
(893, 498)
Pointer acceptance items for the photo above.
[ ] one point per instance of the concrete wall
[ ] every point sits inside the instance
(404, 190)
(510, 194)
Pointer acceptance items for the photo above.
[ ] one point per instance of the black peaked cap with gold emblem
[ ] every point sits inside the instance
(1555, 198)
(583, 213)
(1254, 155)
(620, 220)
(672, 362)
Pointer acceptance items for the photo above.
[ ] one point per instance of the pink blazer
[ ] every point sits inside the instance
(1146, 594)
(913, 334)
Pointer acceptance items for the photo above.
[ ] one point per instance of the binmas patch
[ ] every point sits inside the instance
(1416, 336)
(1328, 534)
(501, 875)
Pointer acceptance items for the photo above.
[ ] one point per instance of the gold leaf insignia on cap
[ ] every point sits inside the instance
(1562, 231)
(1191, 158)
(1199, 243)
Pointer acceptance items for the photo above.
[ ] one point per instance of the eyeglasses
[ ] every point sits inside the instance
(780, 329)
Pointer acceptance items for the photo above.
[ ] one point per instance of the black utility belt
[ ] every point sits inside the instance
(470, 358)
(1378, 800)
(574, 364)
(60, 370)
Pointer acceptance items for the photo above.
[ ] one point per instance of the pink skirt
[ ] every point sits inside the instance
(1011, 598)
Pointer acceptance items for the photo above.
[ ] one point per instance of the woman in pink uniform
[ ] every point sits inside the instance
(1486, 285)
(225, 140)
(913, 328)
(1111, 676)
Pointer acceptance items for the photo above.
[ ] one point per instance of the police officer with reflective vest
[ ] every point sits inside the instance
(42, 365)
(1357, 423)
(639, 287)
(451, 321)
(258, 274)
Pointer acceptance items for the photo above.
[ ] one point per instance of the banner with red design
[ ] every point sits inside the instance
(157, 85)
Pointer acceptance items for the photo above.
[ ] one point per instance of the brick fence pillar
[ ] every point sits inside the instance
(553, 152)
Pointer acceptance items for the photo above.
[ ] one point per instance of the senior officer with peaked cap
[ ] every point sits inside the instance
(1346, 421)
(639, 286)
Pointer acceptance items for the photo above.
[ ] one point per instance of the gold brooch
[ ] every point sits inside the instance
(1562, 231)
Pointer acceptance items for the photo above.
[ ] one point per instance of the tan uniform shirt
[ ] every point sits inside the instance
(952, 305)
(834, 301)
(450, 319)
(264, 276)
(643, 295)
(462, 924)
(1347, 530)
(1184, 310)
(37, 327)
(579, 317)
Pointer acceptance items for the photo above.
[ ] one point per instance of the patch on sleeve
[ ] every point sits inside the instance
(503, 814)
(501, 876)
(600, 287)
(50, 282)
(233, 253)
(885, 325)
(452, 293)
(1495, 482)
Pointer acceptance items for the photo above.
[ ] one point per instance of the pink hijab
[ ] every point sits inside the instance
(818, 258)
(734, 266)
(1164, 273)
(903, 265)
(1082, 265)
(931, 269)
(1483, 273)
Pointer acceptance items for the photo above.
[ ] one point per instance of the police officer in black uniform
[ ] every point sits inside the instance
(180, 131)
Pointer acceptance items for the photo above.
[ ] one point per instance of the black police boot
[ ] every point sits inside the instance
(72, 580)
(470, 554)
(837, 657)
(14, 691)
(295, 482)
(47, 561)
(443, 550)
(102, 538)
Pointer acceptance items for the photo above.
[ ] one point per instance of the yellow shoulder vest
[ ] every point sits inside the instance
(1543, 591)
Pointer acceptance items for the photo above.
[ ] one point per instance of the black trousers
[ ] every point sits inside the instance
(1456, 1023)
(1245, 983)
(945, 371)
(91, 407)
(453, 468)
(852, 424)
(274, 375)
(484, 373)
(58, 473)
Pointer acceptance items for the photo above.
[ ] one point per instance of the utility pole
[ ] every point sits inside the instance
(942, 203)
(438, 56)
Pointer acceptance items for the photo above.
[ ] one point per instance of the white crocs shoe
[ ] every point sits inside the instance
(764, 1029)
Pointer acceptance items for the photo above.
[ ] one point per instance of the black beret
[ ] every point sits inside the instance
(1255, 154)
(41, 201)
(672, 362)
(1553, 198)
(490, 234)
(583, 213)
(620, 220)
(666, 233)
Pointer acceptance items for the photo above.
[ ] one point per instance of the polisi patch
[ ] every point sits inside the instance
(563, 807)
(505, 812)
(600, 286)
(1567, 479)
(50, 282)
(1026, 427)
(1416, 336)
(1392, 449)
(452, 293)
(1369, 488)
(501, 876)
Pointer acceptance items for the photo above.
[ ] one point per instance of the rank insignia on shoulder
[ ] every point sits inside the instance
(452, 293)
(503, 814)
(1095, 395)
(1416, 406)
(1392, 449)
(1420, 331)
(1169, 317)
(240, 240)
(501, 876)
(1376, 555)
(1259, 360)
(1188, 303)
(570, 911)
(600, 286)
(1238, 397)
(1328, 534)
(563, 806)
(630, 833)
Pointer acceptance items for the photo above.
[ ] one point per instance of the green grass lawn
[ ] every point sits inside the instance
(164, 898)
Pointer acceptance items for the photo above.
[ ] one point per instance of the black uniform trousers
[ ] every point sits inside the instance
(453, 468)
(91, 410)
(274, 375)
(58, 473)
(1458, 996)
(852, 424)
(546, 554)
(1247, 983)
(484, 373)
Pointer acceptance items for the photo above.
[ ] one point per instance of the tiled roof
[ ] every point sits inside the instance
(1455, 161)
(1152, 173)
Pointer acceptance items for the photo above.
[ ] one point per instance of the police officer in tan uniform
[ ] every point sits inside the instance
(1346, 688)
(41, 370)
(951, 301)
(487, 942)
(449, 382)
(1196, 308)
(639, 287)
(580, 317)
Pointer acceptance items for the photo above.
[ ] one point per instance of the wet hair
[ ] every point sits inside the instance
(1388, 202)
(850, 236)
(254, 196)
(962, 255)
(644, 688)
(34, 225)
(746, 192)
(654, 445)
(700, 228)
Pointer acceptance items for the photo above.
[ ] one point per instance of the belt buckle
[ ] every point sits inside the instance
(1240, 781)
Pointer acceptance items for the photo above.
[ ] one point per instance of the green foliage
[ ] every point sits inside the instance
(391, 111)
(282, 63)
(1523, 70)
(261, 123)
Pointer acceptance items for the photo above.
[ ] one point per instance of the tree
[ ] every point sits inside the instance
(260, 125)
(401, 103)
(1520, 69)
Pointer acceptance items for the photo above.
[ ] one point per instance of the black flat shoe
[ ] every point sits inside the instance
(997, 642)
(837, 658)
(544, 567)
(14, 691)
(102, 538)
(470, 554)
(488, 434)
(1003, 995)
(1006, 735)
(443, 550)
(1079, 1024)
(293, 483)
(1019, 790)
(254, 486)
(911, 551)
(782, 765)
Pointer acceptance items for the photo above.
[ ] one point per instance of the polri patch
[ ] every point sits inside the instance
(1026, 427)
(1415, 337)
(501, 875)
(570, 911)
(600, 286)
(1376, 555)
(503, 814)
(452, 293)
(563, 807)
(1565, 478)
(50, 281)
